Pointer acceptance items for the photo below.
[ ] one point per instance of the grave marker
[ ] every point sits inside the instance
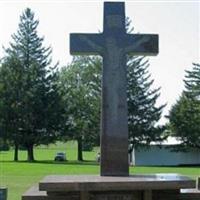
(113, 45)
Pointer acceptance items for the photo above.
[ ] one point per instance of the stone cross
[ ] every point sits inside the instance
(113, 45)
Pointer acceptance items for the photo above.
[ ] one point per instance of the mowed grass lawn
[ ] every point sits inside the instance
(19, 176)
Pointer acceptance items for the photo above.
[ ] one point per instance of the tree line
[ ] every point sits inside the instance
(41, 103)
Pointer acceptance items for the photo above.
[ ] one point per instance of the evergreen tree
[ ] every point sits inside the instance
(192, 82)
(36, 96)
(143, 114)
(184, 116)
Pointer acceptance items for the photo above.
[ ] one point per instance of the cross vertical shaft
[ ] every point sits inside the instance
(114, 124)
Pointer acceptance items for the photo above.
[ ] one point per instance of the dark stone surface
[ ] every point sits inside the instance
(185, 194)
(130, 195)
(138, 187)
(113, 45)
(59, 183)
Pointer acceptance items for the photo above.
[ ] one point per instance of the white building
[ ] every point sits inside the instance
(161, 154)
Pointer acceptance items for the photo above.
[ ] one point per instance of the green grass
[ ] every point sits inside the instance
(19, 176)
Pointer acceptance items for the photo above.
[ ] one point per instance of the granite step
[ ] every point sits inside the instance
(92, 187)
(186, 194)
(75, 183)
(34, 194)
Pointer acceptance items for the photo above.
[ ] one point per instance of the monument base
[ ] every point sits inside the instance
(137, 187)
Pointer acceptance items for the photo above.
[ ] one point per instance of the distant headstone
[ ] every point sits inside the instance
(113, 45)
(3, 193)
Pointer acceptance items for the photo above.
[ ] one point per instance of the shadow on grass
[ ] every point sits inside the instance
(71, 162)
(92, 162)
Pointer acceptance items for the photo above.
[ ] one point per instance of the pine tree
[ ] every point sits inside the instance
(184, 116)
(37, 92)
(192, 82)
(143, 114)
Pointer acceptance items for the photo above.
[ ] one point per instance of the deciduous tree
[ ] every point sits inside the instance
(81, 87)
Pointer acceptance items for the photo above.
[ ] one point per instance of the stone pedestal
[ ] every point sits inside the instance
(90, 187)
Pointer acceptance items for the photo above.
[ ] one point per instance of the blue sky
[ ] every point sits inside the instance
(176, 22)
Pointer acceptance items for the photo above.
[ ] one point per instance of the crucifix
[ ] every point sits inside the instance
(113, 45)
